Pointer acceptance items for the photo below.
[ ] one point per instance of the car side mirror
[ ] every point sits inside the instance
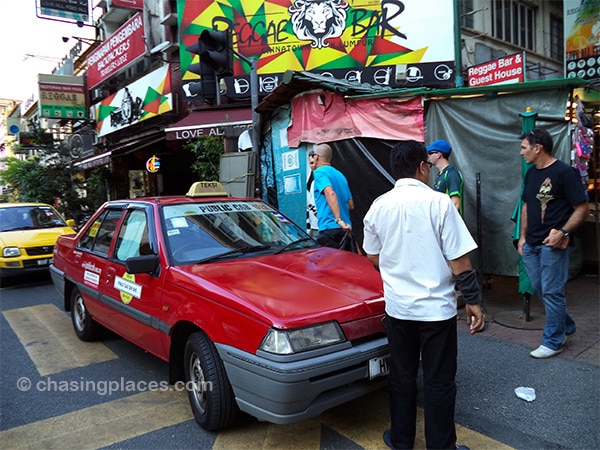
(71, 223)
(142, 264)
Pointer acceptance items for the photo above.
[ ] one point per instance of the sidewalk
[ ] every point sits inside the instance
(504, 315)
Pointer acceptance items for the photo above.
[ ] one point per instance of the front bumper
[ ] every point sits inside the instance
(13, 267)
(288, 391)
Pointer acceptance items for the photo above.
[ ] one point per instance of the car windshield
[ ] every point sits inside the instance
(29, 218)
(207, 232)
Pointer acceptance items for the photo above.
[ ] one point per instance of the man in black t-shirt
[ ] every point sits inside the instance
(554, 206)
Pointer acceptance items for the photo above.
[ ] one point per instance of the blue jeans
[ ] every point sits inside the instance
(548, 271)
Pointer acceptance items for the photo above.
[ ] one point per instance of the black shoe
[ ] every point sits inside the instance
(387, 438)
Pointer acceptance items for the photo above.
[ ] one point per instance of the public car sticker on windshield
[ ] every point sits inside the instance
(128, 288)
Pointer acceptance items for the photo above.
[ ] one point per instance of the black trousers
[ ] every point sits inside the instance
(436, 344)
(331, 238)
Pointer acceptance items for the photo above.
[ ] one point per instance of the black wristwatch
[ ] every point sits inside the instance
(564, 232)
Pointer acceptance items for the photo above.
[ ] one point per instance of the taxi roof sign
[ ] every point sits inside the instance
(207, 189)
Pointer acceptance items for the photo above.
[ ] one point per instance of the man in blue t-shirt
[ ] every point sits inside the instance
(333, 198)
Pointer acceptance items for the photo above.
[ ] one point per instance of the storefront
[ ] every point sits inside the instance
(483, 126)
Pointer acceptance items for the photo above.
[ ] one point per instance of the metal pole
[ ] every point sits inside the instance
(457, 45)
(479, 232)
(254, 103)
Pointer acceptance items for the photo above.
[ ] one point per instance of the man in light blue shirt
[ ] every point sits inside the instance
(333, 198)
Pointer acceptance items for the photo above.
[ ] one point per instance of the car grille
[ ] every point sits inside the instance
(39, 251)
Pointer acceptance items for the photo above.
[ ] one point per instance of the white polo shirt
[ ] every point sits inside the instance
(415, 231)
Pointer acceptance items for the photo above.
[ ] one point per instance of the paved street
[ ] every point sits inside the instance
(58, 392)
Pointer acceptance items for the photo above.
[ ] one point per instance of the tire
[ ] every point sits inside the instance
(86, 328)
(209, 391)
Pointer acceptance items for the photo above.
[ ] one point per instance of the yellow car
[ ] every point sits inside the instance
(28, 232)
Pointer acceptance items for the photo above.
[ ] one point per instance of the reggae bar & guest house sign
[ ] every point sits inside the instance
(383, 42)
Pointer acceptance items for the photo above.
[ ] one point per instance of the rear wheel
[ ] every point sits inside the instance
(85, 327)
(210, 394)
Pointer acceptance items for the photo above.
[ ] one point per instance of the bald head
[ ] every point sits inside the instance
(324, 152)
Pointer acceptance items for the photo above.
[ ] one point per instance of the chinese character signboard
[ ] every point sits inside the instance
(118, 52)
(62, 97)
(386, 42)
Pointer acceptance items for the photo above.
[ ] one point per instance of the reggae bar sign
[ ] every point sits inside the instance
(385, 42)
(62, 97)
(510, 69)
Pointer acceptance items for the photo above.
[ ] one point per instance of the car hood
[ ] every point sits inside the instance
(292, 289)
(33, 238)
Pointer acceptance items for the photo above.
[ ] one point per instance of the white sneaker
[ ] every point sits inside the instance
(544, 352)
(482, 327)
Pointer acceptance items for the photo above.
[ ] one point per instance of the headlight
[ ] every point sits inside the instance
(11, 252)
(285, 342)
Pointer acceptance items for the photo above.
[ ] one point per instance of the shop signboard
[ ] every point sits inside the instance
(582, 39)
(61, 97)
(395, 43)
(143, 99)
(119, 51)
(508, 69)
(128, 4)
(77, 10)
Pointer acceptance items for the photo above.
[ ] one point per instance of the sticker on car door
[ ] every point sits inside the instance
(128, 288)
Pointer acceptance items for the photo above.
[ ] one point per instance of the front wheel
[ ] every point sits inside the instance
(86, 328)
(210, 394)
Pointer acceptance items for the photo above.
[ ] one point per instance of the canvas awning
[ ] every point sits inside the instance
(209, 122)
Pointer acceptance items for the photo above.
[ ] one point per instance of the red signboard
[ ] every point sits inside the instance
(119, 51)
(133, 4)
(510, 69)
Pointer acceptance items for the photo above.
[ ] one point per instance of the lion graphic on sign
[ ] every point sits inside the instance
(318, 20)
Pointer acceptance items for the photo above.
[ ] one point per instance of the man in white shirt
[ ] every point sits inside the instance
(419, 242)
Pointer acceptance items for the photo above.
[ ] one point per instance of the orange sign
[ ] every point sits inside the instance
(153, 164)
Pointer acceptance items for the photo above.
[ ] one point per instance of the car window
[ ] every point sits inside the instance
(133, 237)
(29, 217)
(98, 236)
(199, 231)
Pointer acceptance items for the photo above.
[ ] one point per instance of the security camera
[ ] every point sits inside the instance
(65, 39)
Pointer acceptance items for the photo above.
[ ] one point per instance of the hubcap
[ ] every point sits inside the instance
(79, 314)
(197, 383)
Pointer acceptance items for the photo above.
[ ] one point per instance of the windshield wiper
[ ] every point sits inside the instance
(235, 251)
(291, 244)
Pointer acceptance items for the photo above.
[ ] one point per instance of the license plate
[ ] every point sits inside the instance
(43, 262)
(379, 366)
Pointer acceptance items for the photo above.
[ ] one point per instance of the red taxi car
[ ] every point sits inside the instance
(249, 311)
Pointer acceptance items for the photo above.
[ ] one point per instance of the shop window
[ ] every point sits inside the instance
(466, 14)
(514, 22)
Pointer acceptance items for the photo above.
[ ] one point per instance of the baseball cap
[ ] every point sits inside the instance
(440, 146)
